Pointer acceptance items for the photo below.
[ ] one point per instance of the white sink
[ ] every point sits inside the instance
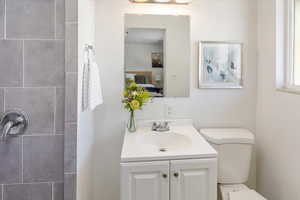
(164, 141)
(183, 141)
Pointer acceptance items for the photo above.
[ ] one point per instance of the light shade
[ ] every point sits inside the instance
(162, 1)
(183, 1)
(140, 1)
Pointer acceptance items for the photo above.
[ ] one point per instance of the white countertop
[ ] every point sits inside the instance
(183, 141)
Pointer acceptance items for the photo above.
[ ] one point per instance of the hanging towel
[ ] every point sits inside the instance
(85, 89)
(95, 93)
(91, 86)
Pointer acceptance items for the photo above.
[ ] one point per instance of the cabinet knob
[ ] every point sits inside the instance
(165, 176)
(176, 175)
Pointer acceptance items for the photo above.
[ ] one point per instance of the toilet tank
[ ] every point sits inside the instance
(234, 147)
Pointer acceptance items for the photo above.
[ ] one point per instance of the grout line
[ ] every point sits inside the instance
(55, 19)
(71, 123)
(35, 39)
(23, 67)
(2, 193)
(70, 173)
(4, 96)
(22, 160)
(52, 190)
(32, 183)
(43, 135)
(38, 87)
(55, 106)
(4, 24)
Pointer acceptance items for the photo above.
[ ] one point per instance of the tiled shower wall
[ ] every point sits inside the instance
(32, 79)
(71, 50)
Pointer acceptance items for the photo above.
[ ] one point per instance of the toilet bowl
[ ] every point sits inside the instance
(234, 147)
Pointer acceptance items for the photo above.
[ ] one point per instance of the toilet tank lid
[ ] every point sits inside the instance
(228, 135)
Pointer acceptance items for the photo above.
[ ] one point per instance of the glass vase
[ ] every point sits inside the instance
(131, 126)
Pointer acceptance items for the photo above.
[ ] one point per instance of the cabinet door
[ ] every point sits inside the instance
(145, 181)
(194, 179)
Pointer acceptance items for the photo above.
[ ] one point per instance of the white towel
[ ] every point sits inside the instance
(91, 85)
(95, 93)
(85, 86)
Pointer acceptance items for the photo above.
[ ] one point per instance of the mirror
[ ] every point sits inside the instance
(157, 53)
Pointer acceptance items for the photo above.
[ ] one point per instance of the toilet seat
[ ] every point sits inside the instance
(245, 195)
(238, 192)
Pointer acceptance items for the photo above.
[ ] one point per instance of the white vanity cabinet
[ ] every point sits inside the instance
(178, 164)
(194, 179)
(145, 180)
(188, 179)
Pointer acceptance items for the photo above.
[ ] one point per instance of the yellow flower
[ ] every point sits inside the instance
(133, 85)
(134, 93)
(125, 93)
(135, 104)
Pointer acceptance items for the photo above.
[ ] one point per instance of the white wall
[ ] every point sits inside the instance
(278, 119)
(233, 20)
(85, 133)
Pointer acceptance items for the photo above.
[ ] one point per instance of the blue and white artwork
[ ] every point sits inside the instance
(221, 65)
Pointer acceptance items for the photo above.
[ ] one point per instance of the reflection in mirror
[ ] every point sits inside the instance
(157, 53)
(144, 50)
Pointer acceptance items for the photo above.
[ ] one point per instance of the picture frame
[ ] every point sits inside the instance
(220, 65)
(157, 60)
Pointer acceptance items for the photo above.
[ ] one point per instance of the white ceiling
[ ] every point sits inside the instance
(144, 35)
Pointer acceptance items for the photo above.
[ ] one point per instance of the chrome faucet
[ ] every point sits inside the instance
(13, 123)
(160, 126)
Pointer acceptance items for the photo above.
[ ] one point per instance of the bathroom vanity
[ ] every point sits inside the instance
(177, 164)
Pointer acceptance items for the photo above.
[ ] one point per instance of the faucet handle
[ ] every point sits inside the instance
(166, 125)
(13, 123)
(154, 126)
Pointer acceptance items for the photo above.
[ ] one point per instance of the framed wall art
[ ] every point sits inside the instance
(220, 65)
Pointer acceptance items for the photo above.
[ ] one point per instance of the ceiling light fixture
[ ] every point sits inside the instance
(183, 2)
(140, 1)
(162, 1)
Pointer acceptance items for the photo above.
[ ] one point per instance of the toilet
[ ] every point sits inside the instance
(234, 147)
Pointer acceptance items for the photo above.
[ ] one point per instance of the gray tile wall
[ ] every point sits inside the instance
(11, 161)
(49, 68)
(37, 103)
(30, 19)
(43, 158)
(69, 187)
(11, 68)
(71, 49)
(32, 79)
(58, 191)
(40, 191)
